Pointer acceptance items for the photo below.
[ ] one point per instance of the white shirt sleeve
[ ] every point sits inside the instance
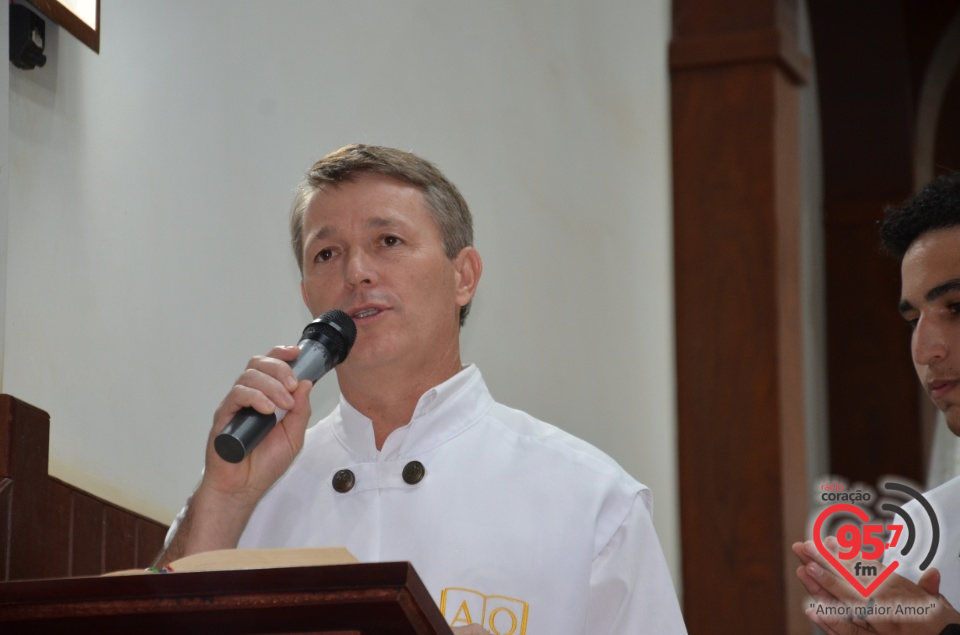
(630, 587)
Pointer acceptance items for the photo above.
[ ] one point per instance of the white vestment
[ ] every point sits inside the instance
(515, 524)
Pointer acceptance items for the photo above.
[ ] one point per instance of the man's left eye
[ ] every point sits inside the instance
(391, 241)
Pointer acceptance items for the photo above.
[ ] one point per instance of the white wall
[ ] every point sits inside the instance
(813, 274)
(150, 185)
(4, 175)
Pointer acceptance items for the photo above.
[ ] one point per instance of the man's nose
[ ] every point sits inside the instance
(929, 343)
(359, 268)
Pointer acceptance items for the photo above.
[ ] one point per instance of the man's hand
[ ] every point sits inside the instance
(829, 589)
(267, 384)
(219, 509)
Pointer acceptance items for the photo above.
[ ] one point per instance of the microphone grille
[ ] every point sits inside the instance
(337, 331)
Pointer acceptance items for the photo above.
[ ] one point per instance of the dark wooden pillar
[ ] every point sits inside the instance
(735, 75)
(24, 440)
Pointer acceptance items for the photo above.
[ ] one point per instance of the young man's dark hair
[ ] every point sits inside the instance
(936, 206)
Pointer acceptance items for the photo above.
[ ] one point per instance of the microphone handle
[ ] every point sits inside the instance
(249, 427)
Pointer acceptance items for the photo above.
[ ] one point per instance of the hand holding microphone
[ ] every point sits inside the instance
(325, 343)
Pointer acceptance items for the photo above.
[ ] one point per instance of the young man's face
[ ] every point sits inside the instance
(930, 302)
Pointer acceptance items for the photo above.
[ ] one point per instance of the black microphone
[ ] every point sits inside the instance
(324, 344)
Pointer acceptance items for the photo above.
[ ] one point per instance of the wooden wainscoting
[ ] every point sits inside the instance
(49, 528)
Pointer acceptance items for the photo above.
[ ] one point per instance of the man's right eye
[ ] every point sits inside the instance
(324, 255)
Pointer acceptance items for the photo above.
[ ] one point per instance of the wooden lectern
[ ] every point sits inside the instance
(51, 530)
(356, 599)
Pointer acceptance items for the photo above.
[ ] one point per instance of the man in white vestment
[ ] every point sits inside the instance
(515, 527)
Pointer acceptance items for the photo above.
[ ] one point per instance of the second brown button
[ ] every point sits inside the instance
(343, 481)
(413, 472)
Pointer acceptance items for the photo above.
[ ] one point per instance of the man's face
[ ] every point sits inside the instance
(372, 250)
(930, 302)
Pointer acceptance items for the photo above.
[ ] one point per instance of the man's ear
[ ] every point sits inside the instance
(468, 267)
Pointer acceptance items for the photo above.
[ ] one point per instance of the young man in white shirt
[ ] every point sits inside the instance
(924, 234)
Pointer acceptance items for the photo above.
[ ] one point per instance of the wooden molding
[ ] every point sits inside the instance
(772, 46)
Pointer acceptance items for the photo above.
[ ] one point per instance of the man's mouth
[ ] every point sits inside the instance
(365, 313)
(941, 388)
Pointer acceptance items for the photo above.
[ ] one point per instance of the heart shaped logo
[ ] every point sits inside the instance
(862, 515)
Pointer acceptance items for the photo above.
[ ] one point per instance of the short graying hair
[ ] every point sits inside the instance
(444, 201)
